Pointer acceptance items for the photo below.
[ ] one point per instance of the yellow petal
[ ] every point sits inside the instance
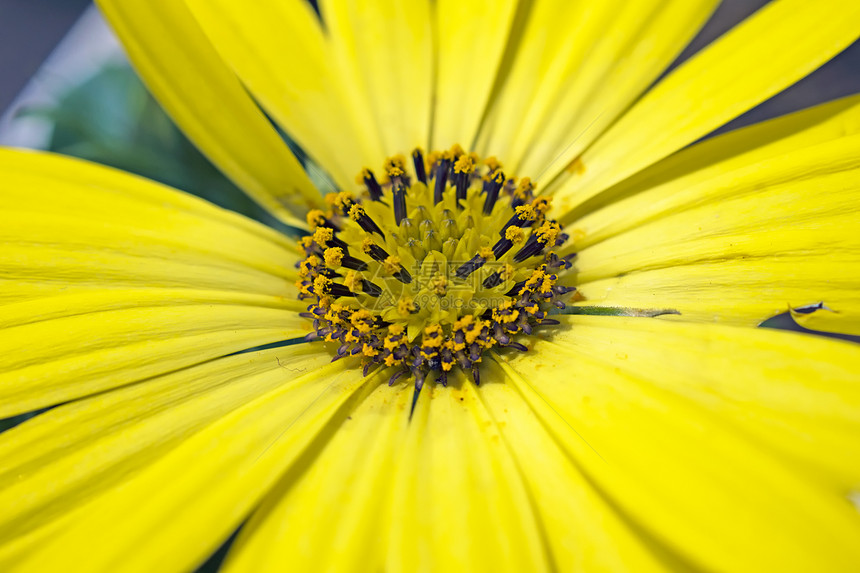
(206, 100)
(457, 499)
(582, 530)
(331, 516)
(280, 52)
(108, 279)
(62, 347)
(578, 66)
(664, 186)
(826, 319)
(740, 247)
(172, 513)
(470, 40)
(384, 50)
(782, 43)
(69, 225)
(736, 448)
(54, 464)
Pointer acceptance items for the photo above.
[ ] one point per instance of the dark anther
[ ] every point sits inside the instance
(372, 185)
(336, 289)
(492, 188)
(396, 376)
(441, 180)
(365, 222)
(418, 160)
(501, 247)
(516, 289)
(476, 375)
(461, 182)
(530, 249)
(403, 276)
(493, 280)
(399, 203)
(370, 289)
(376, 252)
(473, 265)
(353, 263)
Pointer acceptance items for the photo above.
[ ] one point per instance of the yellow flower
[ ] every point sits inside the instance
(686, 441)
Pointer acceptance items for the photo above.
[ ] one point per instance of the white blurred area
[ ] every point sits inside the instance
(84, 51)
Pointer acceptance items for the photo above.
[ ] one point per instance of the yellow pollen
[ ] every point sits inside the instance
(352, 280)
(455, 152)
(356, 212)
(322, 235)
(315, 218)
(406, 306)
(321, 284)
(365, 174)
(395, 166)
(396, 329)
(464, 164)
(492, 164)
(361, 320)
(439, 284)
(547, 233)
(306, 242)
(367, 244)
(343, 199)
(514, 234)
(333, 257)
(485, 253)
(391, 264)
(526, 186)
(542, 205)
(525, 213)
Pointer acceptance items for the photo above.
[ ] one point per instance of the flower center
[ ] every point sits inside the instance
(425, 271)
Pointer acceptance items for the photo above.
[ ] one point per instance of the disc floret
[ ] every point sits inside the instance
(422, 273)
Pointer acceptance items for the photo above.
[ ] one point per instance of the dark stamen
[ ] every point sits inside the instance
(403, 276)
(418, 160)
(530, 249)
(365, 222)
(493, 280)
(399, 203)
(441, 180)
(492, 188)
(501, 247)
(370, 289)
(473, 265)
(372, 185)
(336, 290)
(353, 263)
(376, 252)
(461, 181)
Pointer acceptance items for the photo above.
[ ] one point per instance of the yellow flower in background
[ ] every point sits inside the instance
(685, 441)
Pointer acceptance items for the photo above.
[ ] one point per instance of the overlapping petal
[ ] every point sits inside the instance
(575, 69)
(172, 507)
(748, 434)
(739, 242)
(109, 279)
(776, 47)
(208, 102)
